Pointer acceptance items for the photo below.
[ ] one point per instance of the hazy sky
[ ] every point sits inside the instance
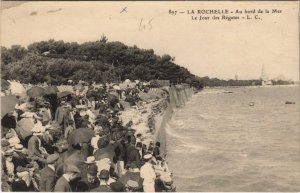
(214, 48)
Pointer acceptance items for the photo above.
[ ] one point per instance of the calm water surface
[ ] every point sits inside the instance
(217, 142)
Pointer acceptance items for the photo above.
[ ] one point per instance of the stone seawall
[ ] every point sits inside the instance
(178, 96)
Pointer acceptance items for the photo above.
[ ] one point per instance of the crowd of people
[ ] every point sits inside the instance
(76, 142)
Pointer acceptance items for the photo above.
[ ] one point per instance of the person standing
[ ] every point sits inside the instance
(35, 149)
(63, 183)
(148, 174)
(90, 182)
(48, 175)
(20, 158)
(104, 186)
(156, 151)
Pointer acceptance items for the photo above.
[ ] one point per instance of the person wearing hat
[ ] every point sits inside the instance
(133, 174)
(133, 153)
(156, 152)
(117, 187)
(164, 183)
(148, 174)
(44, 114)
(69, 128)
(132, 186)
(35, 147)
(104, 177)
(23, 182)
(91, 115)
(62, 115)
(139, 137)
(9, 165)
(104, 150)
(20, 158)
(95, 139)
(90, 182)
(50, 108)
(63, 183)
(90, 161)
(119, 153)
(4, 146)
(8, 121)
(13, 139)
(48, 175)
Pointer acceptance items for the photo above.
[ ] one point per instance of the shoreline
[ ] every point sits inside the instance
(165, 107)
(178, 98)
(250, 86)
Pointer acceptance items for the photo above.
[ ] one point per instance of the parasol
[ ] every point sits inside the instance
(81, 135)
(24, 127)
(36, 92)
(64, 94)
(51, 90)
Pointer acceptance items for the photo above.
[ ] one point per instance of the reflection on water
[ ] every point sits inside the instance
(218, 142)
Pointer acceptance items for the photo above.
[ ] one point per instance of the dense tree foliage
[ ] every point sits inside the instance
(101, 61)
(56, 62)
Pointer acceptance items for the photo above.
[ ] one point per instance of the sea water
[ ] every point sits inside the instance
(247, 140)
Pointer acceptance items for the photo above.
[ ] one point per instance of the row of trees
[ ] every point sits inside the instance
(56, 62)
(211, 82)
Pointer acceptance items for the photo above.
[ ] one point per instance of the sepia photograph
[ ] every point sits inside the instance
(150, 96)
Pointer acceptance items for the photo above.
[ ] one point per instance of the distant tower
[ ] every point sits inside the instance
(236, 77)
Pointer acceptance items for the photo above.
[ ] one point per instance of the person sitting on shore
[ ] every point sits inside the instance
(156, 152)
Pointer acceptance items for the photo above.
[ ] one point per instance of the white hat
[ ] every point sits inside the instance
(13, 141)
(147, 156)
(18, 147)
(36, 131)
(90, 160)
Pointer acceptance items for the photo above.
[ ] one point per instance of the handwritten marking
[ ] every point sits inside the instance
(124, 10)
(144, 26)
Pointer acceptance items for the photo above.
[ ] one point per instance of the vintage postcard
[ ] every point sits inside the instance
(150, 96)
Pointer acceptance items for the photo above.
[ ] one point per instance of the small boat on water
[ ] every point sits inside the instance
(226, 91)
(251, 104)
(289, 103)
